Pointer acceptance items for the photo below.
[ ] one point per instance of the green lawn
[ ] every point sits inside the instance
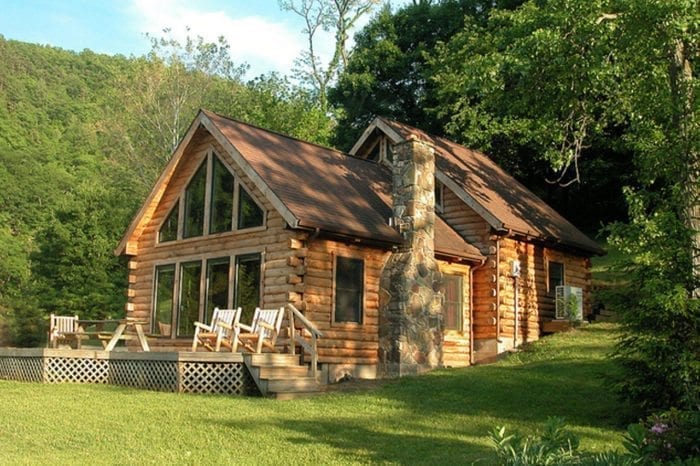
(439, 418)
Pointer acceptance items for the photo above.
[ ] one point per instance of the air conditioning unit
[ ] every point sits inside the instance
(569, 302)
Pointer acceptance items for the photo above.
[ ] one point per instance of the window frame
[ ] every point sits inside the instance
(363, 294)
(208, 160)
(460, 318)
(551, 290)
(203, 259)
(439, 188)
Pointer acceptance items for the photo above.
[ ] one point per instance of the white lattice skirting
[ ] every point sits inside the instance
(169, 372)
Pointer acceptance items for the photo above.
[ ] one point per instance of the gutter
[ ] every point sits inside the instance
(471, 309)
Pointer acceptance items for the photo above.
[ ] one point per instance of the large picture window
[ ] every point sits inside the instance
(163, 299)
(247, 285)
(194, 204)
(209, 205)
(189, 291)
(190, 280)
(222, 184)
(452, 307)
(217, 286)
(349, 289)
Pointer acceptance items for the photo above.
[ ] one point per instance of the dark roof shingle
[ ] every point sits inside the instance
(327, 189)
(515, 206)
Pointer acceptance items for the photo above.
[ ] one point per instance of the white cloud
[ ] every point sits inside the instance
(265, 44)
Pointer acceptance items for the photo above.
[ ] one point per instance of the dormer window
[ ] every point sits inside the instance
(214, 201)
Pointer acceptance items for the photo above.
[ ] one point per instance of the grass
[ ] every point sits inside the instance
(606, 269)
(440, 418)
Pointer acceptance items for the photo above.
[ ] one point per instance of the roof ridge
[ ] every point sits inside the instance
(287, 136)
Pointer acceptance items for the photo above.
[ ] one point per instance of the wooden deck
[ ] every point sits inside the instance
(267, 374)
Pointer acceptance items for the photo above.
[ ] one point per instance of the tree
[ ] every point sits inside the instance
(159, 96)
(338, 16)
(657, 47)
(388, 72)
(564, 76)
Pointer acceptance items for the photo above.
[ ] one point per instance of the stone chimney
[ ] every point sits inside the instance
(410, 319)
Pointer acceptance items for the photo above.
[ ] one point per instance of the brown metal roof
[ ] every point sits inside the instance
(499, 194)
(327, 189)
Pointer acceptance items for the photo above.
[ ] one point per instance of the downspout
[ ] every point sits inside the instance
(515, 311)
(471, 309)
(498, 290)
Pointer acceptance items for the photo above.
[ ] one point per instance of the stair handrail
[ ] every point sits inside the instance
(294, 314)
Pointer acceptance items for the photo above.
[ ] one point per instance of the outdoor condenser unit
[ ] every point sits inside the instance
(569, 302)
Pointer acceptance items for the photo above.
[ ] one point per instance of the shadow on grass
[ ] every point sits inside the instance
(394, 441)
(574, 389)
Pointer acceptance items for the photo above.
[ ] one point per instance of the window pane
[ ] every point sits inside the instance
(220, 218)
(194, 204)
(163, 302)
(249, 214)
(556, 275)
(190, 277)
(438, 195)
(217, 286)
(349, 283)
(168, 231)
(452, 308)
(247, 285)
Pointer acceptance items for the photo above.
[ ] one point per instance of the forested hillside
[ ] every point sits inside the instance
(82, 138)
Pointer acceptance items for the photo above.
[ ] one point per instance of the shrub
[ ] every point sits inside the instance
(672, 437)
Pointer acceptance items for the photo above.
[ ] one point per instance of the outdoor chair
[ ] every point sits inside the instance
(263, 330)
(64, 329)
(219, 332)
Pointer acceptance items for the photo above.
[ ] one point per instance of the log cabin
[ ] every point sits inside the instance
(402, 252)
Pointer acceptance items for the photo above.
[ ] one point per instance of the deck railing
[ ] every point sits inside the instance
(307, 327)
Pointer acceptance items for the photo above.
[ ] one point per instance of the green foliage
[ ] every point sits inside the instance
(388, 73)
(671, 438)
(83, 137)
(572, 82)
(555, 445)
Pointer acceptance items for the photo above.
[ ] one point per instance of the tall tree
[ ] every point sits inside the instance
(336, 16)
(388, 73)
(562, 75)
(160, 96)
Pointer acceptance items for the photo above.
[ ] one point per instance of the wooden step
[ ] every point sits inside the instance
(274, 359)
(283, 372)
(296, 385)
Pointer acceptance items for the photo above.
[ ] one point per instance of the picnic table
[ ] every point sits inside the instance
(126, 329)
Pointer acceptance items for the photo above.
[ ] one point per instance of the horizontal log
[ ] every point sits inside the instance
(347, 360)
(347, 353)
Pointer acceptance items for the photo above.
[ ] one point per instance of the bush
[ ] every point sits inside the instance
(672, 437)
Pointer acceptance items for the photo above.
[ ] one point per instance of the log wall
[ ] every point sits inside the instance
(535, 300)
(343, 342)
(472, 227)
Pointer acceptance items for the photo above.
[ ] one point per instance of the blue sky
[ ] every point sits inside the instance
(258, 32)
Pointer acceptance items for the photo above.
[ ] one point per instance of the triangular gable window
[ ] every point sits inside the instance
(207, 205)
(194, 204)
(168, 231)
(222, 183)
(249, 213)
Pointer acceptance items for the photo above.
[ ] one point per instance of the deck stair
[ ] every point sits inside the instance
(281, 376)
